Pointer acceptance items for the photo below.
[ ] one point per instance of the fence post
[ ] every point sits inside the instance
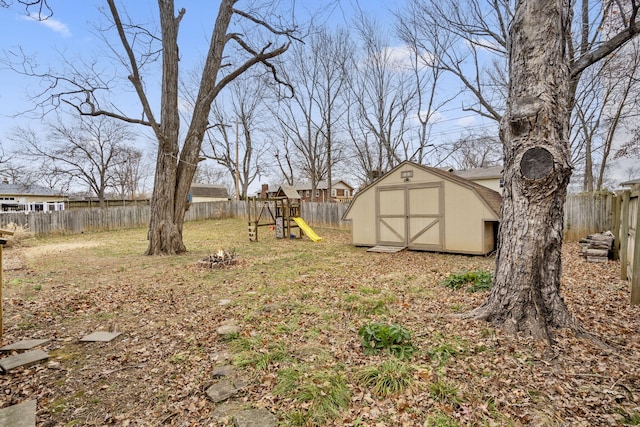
(624, 235)
(635, 270)
(615, 225)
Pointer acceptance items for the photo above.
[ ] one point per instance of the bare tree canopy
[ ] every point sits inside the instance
(92, 154)
(149, 61)
(236, 137)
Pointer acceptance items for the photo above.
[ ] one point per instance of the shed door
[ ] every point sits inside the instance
(391, 218)
(425, 216)
(411, 216)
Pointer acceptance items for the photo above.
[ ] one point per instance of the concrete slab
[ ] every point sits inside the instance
(20, 415)
(23, 345)
(222, 371)
(23, 359)
(221, 391)
(100, 336)
(255, 418)
(387, 249)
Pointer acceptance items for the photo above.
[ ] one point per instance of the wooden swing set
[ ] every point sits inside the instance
(277, 212)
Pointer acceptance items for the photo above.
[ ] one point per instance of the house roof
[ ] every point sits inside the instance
(492, 198)
(480, 173)
(630, 183)
(27, 190)
(288, 191)
(322, 185)
(209, 190)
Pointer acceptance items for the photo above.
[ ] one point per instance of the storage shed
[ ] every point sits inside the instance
(424, 208)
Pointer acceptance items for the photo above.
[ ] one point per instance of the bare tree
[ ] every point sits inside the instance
(88, 153)
(334, 52)
(300, 118)
(381, 96)
(128, 173)
(476, 151)
(284, 158)
(177, 156)
(236, 141)
(210, 173)
(423, 62)
(471, 38)
(535, 133)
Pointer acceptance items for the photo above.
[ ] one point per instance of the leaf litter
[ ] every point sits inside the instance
(299, 306)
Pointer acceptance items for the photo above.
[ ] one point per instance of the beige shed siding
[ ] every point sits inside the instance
(466, 215)
(364, 213)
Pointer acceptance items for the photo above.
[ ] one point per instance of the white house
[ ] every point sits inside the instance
(30, 198)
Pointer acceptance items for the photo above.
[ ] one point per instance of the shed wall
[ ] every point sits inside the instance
(465, 220)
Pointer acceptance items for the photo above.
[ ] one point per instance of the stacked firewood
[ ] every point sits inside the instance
(597, 247)
(221, 258)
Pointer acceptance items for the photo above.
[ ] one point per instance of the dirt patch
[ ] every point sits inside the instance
(55, 248)
(17, 257)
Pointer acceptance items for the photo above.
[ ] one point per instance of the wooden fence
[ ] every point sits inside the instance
(77, 221)
(325, 214)
(618, 213)
(586, 214)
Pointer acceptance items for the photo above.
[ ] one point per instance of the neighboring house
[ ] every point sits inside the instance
(341, 192)
(207, 193)
(629, 184)
(424, 208)
(30, 198)
(490, 177)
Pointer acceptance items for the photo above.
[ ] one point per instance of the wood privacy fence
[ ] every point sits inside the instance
(587, 213)
(618, 213)
(77, 221)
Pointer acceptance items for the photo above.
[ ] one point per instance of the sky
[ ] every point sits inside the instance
(72, 32)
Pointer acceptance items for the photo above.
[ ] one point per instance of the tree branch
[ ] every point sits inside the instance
(607, 47)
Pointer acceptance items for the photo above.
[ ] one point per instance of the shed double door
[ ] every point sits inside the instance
(411, 216)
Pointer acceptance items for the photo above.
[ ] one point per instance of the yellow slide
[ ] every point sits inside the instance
(307, 230)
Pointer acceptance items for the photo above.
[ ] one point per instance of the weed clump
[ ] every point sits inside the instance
(393, 339)
(322, 395)
(389, 378)
(475, 281)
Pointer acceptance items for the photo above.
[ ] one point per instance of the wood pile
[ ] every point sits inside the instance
(597, 247)
(219, 259)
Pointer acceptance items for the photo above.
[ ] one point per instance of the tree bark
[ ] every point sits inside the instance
(535, 133)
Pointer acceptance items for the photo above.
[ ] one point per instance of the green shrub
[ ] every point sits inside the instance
(393, 339)
(477, 280)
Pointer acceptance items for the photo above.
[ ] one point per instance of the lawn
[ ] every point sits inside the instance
(302, 311)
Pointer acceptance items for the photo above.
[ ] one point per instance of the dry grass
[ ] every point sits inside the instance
(299, 306)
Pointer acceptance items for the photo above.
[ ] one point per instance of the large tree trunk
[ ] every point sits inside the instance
(535, 132)
(165, 229)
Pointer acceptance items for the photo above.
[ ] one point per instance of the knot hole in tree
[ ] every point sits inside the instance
(536, 163)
